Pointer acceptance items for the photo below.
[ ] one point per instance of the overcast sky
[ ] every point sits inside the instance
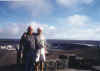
(60, 19)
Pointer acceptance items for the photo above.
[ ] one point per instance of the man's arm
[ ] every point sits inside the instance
(21, 45)
(45, 45)
(20, 51)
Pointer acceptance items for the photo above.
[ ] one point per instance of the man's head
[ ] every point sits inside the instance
(30, 30)
(39, 30)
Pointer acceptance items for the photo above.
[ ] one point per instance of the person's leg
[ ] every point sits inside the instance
(37, 66)
(33, 61)
(32, 65)
(28, 61)
(38, 56)
(41, 66)
(26, 64)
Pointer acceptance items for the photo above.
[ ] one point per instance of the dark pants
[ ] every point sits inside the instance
(29, 60)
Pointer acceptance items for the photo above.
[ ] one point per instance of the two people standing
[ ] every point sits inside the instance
(32, 48)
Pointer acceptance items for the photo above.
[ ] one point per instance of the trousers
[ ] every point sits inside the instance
(30, 60)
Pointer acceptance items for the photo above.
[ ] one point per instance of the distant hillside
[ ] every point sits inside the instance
(68, 43)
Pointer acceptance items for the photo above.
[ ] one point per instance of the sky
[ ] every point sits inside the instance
(60, 19)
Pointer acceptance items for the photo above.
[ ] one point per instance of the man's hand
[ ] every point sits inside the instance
(21, 56)
(46, 52)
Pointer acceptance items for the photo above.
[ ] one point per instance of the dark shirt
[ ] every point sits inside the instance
(27, 43)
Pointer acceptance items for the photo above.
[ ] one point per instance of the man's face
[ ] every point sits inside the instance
(30, 30)
(39, 31)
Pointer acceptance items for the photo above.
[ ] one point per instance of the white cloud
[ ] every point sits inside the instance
(35, 7)
(36, 25)
(67, 3)
(13, 30)
(52, 28)
(73, 3)
(78, 20)
(0, 29)
(78, 27)
(47, 29)
(87, 1)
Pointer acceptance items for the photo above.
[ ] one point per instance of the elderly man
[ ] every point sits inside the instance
(27, 49)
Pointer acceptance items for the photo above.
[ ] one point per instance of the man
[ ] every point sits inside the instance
(41, 49)
(27, 49)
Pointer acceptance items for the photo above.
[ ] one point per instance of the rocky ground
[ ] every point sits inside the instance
(8, 62)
